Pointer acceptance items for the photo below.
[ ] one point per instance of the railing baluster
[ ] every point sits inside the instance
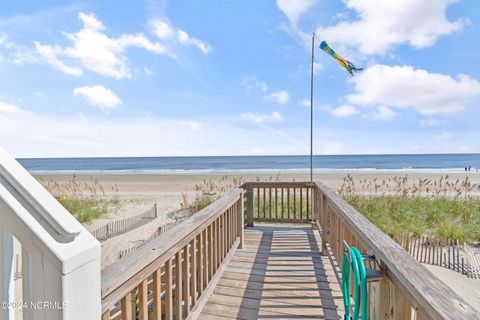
(216, 245)
(203, 251)
(294, 203)
(142, 300)
(249, 204)
(310, 203)
(264, 203)
(240, 221)
(127, 307)
(186, 280)
(157, 295)
(229, 234)
(202, 263)
(301, 203)
(222, 236)
(168, 289)
(194, 270)
(270, 202)
(211, 251)
(258, 203)
(178, 285)
(288, 203)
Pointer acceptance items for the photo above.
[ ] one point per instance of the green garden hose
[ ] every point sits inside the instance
(360, 284)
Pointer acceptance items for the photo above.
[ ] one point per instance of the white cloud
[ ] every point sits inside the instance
(50, 53)
(306, 103)
(161, 29)
(384, 113)
(404, 87)
(262, 118)
(383, 24)
(164, 31)
(98, 96)
(16, 53)
(317, 67)
(8, 108)
(250, 82)
(344, 111)
(294, 9)
(280, 97)
(34, 135)
(96, 51)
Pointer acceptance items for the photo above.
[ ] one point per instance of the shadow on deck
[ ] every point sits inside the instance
(280, 274)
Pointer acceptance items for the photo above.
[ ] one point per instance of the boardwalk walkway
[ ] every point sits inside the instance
(280, 274)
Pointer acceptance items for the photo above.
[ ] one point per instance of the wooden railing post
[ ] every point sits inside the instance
(314, 205)
(325, 223)
(249, 194)
(240, 221)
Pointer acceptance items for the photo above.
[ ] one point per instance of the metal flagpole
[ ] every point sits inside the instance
(311, 110)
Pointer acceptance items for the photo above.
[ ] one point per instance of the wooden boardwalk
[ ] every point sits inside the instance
(280, 274)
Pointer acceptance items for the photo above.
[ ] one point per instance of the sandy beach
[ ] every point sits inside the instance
(139, 192)
(148, 184)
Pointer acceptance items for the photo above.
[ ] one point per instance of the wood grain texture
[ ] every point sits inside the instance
(178, 285)
(168, 290)
(142, 300)
(157, 294)
(196, 310)
(127, 307)
(124, 275)
(280, 274)
(417, 284)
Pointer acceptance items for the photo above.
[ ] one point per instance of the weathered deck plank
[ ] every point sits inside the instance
(279, 274)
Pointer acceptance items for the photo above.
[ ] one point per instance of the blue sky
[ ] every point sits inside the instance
(171, 78)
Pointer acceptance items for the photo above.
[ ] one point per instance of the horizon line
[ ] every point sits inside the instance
(265, 155)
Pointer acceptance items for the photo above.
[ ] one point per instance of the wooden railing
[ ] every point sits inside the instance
(171, 277)
(407, 289)
(278, 202)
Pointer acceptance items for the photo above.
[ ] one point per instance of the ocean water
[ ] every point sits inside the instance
(449, 162)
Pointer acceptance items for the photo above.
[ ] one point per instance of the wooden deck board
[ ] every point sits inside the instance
(280, 274)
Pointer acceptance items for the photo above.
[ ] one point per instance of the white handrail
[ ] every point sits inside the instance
(59, 259)
(39, 198)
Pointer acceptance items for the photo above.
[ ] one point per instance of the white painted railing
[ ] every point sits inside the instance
(50, 266)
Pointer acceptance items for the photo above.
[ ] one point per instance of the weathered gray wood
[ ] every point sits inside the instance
(274, 276)
(198, 307)
(280, 184)
(422, 289)
(249, 196)
(122, 276)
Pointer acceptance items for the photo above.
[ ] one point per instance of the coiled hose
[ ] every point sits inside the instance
(360, 284)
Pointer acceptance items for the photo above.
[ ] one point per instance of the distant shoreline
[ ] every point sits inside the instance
(253, 171)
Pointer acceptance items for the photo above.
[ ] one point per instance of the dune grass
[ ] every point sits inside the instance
(444, 218)
(208, 191)
(84, 200)
(85, 210)
(441, 209)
